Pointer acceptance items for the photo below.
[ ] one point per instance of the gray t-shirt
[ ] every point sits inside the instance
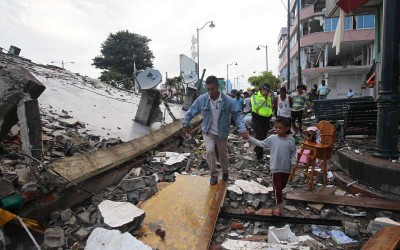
(282, 151)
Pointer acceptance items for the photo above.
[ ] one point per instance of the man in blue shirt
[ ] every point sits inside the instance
(323, 91)
(216, 109)
(239, 100)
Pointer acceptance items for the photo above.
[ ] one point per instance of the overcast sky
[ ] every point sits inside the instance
(73, 30)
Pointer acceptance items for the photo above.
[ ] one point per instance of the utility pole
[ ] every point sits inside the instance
(288, 47)
(388, 99)
(298, 44)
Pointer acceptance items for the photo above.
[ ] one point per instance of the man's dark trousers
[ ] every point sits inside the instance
(261, 125)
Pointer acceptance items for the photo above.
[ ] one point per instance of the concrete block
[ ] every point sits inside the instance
(103, 239)
(66, 215)
(53, 238)
(234, 192)
(282, 235)
(121, 214)
(379, 223)
(82, 233)
(129, 184)
(84, 217)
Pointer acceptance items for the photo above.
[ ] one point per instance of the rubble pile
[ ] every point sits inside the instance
(78, 222)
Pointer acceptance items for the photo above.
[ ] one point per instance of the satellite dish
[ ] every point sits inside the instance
(149, 78)
(191, 78)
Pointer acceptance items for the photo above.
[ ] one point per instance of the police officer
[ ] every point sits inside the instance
(261, 112)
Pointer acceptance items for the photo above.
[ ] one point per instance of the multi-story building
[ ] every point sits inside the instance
(318, 59)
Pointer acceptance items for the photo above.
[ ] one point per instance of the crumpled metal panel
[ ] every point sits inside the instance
(187, 210)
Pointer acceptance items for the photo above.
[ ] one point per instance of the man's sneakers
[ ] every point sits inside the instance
(214, 180)
(261, 161)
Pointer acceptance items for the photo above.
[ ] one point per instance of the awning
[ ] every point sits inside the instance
(349, 5)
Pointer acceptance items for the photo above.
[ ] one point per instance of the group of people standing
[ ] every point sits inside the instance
(220, 110)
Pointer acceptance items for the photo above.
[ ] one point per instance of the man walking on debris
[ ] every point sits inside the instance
(216, 109)
(261, 107)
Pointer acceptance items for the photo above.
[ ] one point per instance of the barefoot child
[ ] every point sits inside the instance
(283, 156)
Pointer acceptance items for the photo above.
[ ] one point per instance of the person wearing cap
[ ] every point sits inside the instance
(299, 103)
(216, 109)
(261, 113)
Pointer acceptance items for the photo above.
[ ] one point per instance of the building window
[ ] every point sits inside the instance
(365, 22)
(350, 22)
(330, 24)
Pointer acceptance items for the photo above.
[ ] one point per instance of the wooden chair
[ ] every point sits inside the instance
(321, 151)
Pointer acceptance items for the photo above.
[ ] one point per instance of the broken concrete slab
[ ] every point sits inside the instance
(15, 83)
(242, 244)
(103, 239)
(121, 214)
(282, 235)
(379, 223)
(235, 192)
(252, 190)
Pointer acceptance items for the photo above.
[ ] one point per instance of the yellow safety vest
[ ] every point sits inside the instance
(261, 105)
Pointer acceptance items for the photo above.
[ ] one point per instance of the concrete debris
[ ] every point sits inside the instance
(171, 158)
(82, 234)
(66, 215)
(250, 190)
(242, 244)
(379, 223)
(282, 235)
(103, 239)
(53, 238)
(119, 214)
(351, 228)
(138, 188)
(84, 217)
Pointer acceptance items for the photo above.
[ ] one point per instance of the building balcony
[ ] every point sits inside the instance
(323, 38)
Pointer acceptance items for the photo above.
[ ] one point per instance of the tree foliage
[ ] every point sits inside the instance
(116, 79)
(174, 85)
(118, 53)
(266, 77)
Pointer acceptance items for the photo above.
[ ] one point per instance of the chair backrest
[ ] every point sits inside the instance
(327, 132)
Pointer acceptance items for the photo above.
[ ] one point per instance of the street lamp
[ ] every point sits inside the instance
(237, 81)
(198, 46)
(227, 71)
(62, 63)
(266, 53)
(255, 72)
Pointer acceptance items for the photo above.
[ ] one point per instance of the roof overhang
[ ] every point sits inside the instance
(353, 7)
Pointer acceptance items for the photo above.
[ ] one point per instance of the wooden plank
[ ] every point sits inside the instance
(388, 238)
(322, 190)
(82, 167)
(187, 210)
(345, 200)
